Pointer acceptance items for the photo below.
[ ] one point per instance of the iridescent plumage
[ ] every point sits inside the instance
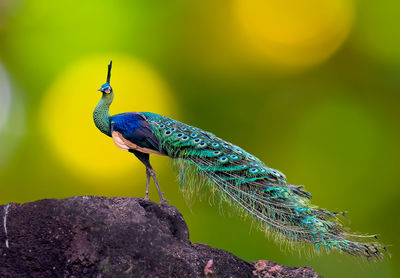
(241, 179)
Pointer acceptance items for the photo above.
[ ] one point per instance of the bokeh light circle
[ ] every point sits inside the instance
(66, 114)
(293, 34)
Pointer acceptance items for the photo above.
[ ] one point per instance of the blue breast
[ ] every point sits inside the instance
(127, 123)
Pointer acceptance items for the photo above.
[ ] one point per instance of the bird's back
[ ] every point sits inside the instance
(188, 142)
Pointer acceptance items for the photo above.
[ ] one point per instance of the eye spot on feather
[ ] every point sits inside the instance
(196, 141)
(263, 170)
(253, 163)
(253, 170)
(193, 134)
(217, 153)
(215, 145)
(276, 173)
(243, 166)
(234, 157)
(250, 156)
(168, 122)
(172, 129)
(225, 145)
(183, 128)
(308, 220)
(301, 209)
(185, 138)
(223, 159)
(202, 145)
(168, 132)
(161, 126)
(179, 135)
(238, 150)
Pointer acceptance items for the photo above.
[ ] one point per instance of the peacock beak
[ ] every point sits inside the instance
(99, 90)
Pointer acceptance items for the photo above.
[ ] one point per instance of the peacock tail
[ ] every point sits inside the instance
(255, 189)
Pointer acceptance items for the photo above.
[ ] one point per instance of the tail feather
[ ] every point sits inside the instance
(204, 160)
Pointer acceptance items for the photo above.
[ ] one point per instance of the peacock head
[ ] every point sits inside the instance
(106, 87)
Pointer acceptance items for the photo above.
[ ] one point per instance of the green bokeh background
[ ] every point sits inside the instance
(333, 127)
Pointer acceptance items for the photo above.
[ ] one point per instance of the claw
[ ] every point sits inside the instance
(164, 201)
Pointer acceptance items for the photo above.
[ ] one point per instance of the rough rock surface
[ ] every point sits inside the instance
(114, 237)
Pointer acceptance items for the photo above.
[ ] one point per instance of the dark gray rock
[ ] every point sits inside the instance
(114, 237)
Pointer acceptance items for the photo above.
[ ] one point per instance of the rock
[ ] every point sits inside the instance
(114, 237)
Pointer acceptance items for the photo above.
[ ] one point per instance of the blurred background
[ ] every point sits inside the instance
(311, 87)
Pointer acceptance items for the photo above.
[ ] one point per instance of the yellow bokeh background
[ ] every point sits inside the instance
(293, 34)
(66, 115)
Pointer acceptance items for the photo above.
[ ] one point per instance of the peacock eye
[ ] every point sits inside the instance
(253, 170)
(223, 159)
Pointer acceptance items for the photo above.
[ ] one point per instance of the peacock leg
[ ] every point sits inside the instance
(145, 159)
(148, 176)
(160, 193)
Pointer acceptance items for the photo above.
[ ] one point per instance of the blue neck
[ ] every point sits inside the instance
(101, 115)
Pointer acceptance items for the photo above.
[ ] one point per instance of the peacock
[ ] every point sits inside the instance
(244, 181)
